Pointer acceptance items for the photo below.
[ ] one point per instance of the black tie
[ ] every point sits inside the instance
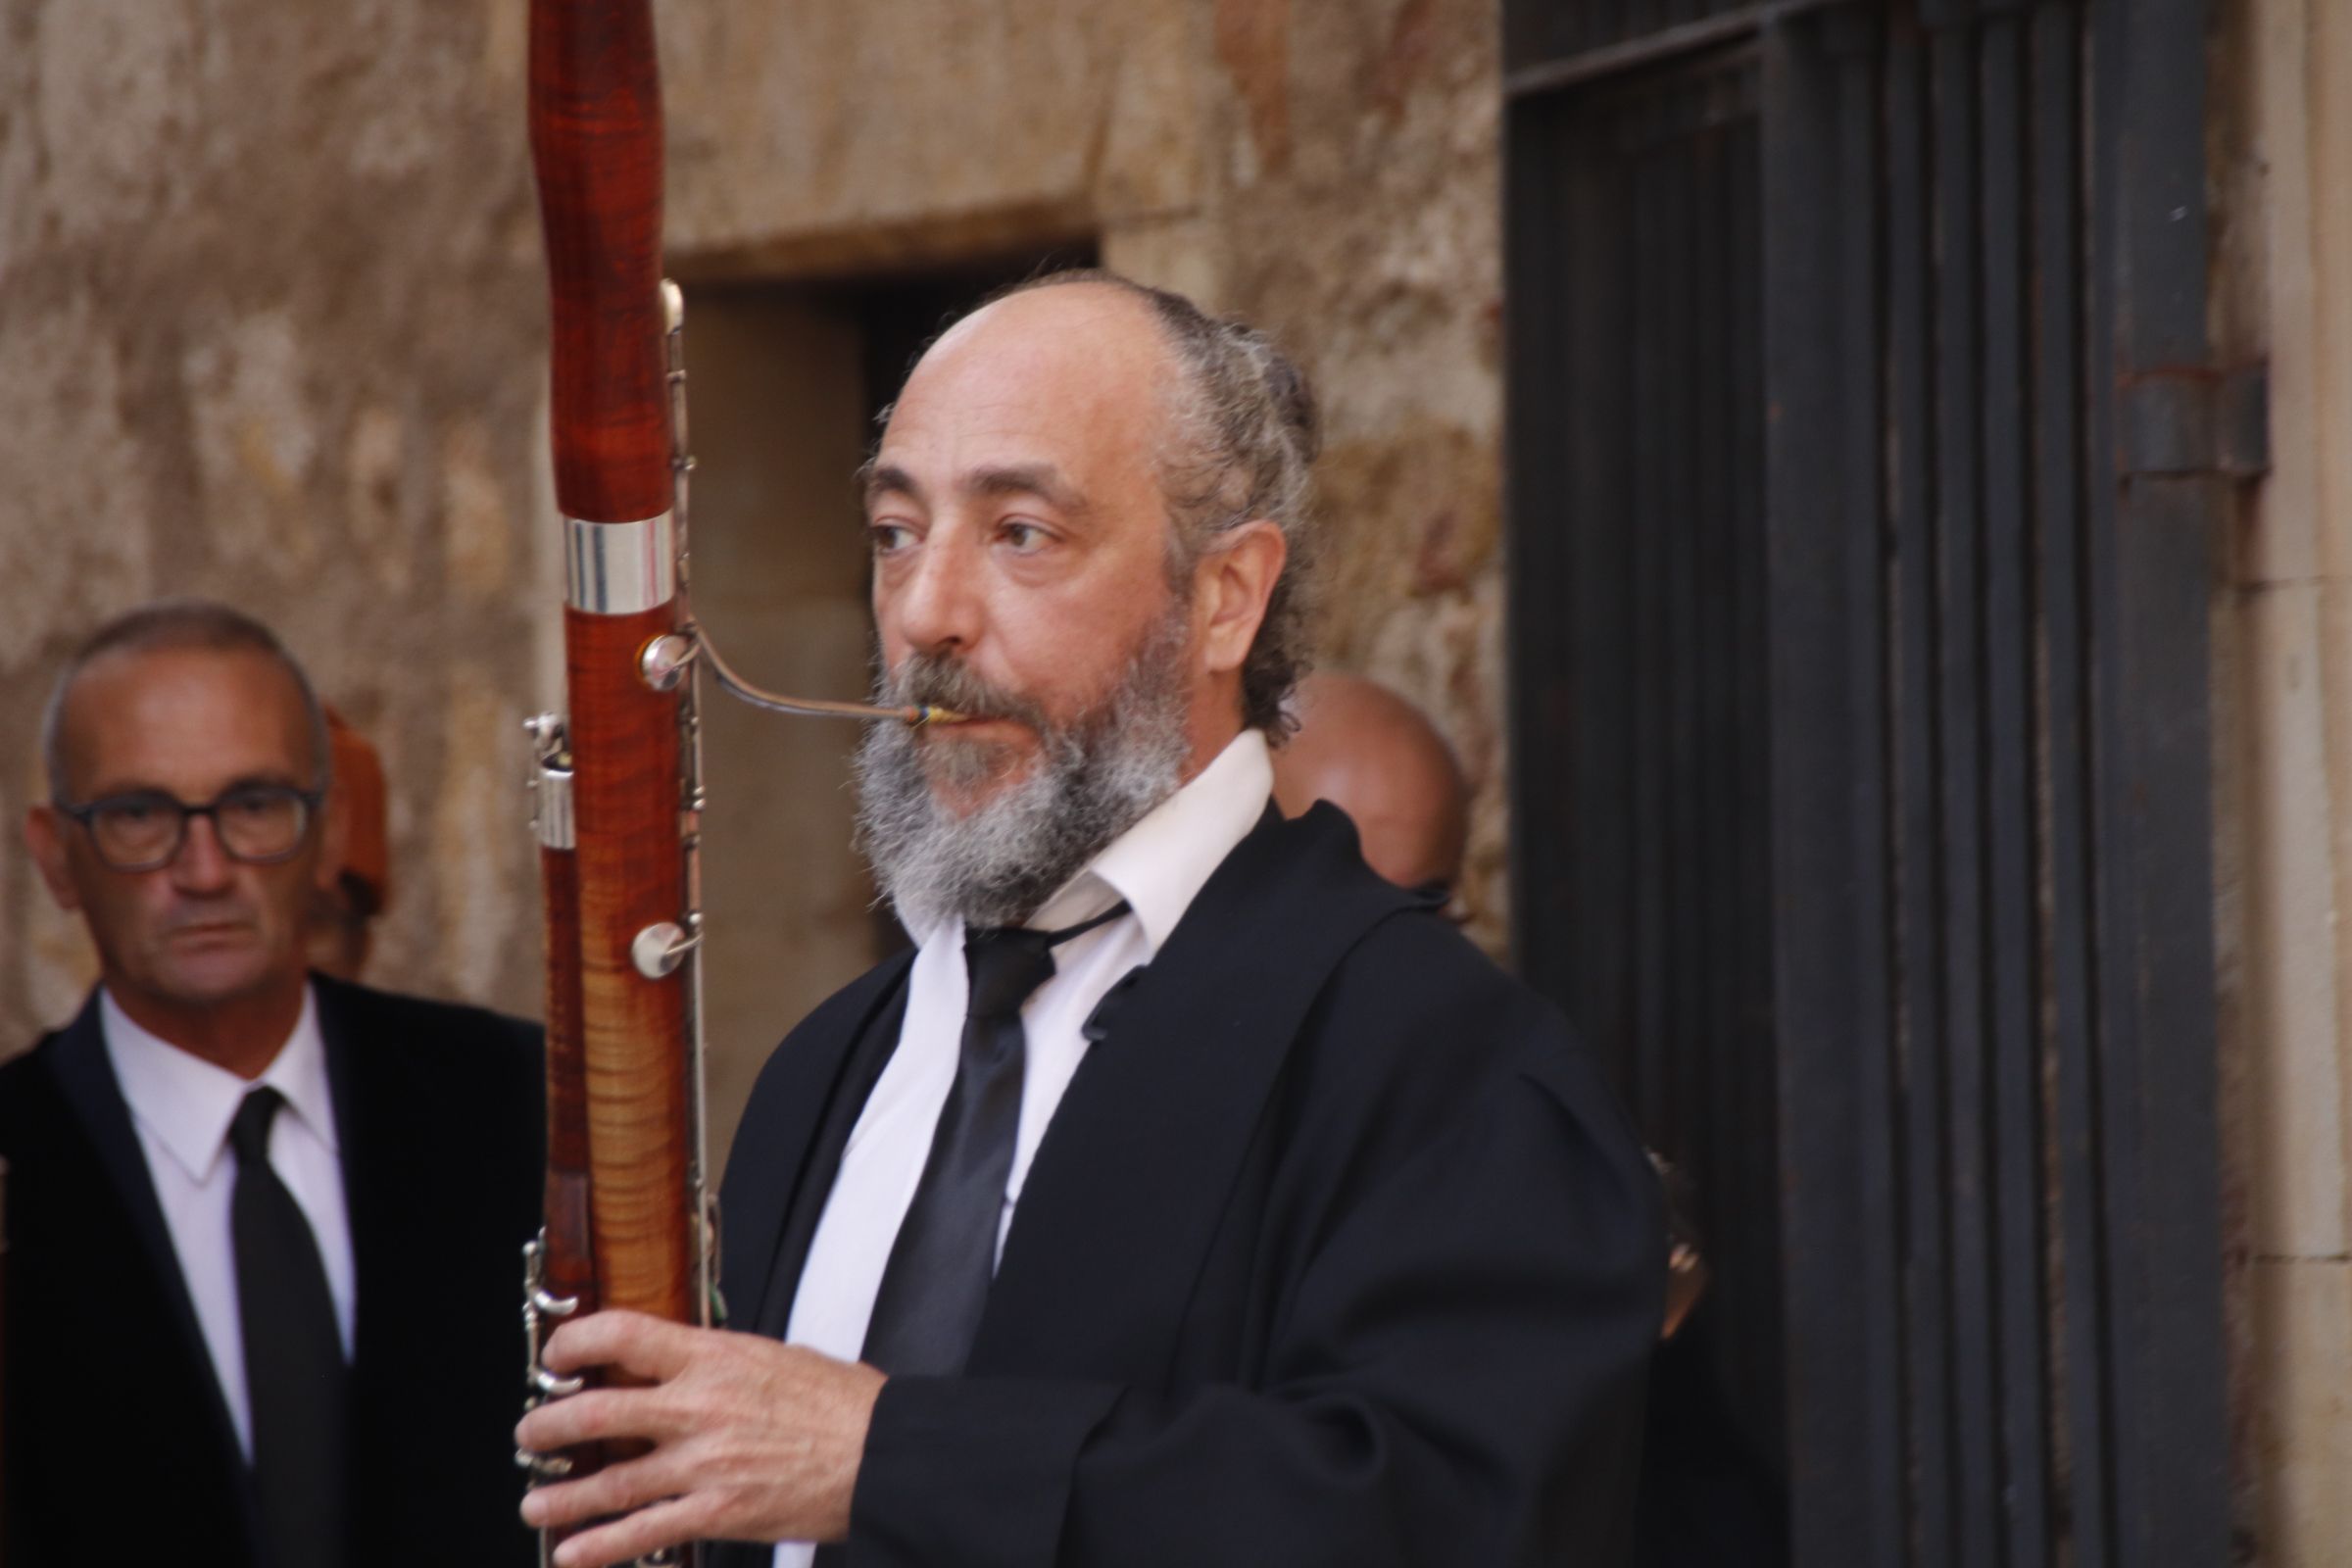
(294, 1373)
(936, 1283)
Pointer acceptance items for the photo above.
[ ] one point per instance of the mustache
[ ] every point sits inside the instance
(189, 918)
(924, 678)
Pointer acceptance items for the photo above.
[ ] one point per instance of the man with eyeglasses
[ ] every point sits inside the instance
(265, 1226)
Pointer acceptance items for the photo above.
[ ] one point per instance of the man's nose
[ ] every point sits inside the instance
(202, 864)
(936, 606)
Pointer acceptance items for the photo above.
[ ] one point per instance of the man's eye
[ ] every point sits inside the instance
(254, 803)
(1025, 537)
(889, 538)
(134, 812)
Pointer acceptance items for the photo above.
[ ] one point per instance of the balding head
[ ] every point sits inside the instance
(1377, 758)
(1034, 574)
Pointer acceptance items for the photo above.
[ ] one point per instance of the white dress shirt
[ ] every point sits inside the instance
(182, 1106)
(1157, 866)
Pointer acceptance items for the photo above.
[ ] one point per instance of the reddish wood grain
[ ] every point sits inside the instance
(595, 143)
(566, 1061)
(625, 797)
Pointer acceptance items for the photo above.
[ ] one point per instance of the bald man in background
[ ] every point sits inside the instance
(1379, 759)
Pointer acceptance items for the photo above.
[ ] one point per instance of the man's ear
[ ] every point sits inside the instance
(45, 832)
(334, 836)
(1234, 585)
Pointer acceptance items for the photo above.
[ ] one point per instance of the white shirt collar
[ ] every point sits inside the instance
(1160, 863)
(187, 1102)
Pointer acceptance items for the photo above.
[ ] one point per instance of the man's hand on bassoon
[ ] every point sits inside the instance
(751, 1440)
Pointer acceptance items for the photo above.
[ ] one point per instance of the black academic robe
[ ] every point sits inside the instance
(1338, 1252)
(116, 1443)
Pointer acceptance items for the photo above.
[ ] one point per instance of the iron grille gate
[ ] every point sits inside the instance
(1859, 597)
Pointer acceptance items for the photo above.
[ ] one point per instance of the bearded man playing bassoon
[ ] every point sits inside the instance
(1188, 1195)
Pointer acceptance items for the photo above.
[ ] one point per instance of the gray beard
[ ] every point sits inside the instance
(1094, 779)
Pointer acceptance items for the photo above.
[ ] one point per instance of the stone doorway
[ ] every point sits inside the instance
(786, 379)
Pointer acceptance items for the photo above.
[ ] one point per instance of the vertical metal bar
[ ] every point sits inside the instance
(1680, 351)
(1755, 1078)
(1977, 1367)
(1918, 813)
(1606, 543)
(1729, 1125)
(2151, 773)
(1852, 41)
(1814, 716)
(1540, 476)
(2081, 1291)
(2115, 992)
(1558, 479)
(2011, 915)
(1655, 448)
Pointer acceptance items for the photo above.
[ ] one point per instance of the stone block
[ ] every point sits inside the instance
(2326, 334)
(2282, 542)
(257, 440)
(2301, 1386)
(77, 546)
(478, 525)
(1185, 254)
(104, 171)
(482, 883)
(2295, 1065)
(808, 137)
(375, 515)
(1156, 138)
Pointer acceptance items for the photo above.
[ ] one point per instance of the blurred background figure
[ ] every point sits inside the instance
(342, 919)
(220, 1211)
(1706, 1498)
(1379, 759)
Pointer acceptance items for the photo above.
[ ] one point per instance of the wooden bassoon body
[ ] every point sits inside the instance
(616, 792)
(617, 786)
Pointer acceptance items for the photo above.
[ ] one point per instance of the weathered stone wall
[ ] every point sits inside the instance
(2283, 141)
(272, 332)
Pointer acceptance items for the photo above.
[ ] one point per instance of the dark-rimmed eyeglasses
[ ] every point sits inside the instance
(260, 824)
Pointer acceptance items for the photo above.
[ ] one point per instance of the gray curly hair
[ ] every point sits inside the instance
(1245, 433)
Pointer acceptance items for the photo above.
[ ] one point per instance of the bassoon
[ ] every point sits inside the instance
(615, 797)
(618, 783)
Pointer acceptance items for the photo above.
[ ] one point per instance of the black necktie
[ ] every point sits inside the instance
(936, 1282)
(294, 1373)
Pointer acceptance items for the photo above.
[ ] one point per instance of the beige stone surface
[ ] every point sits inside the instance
(2326, 337)
(78, 543)
(271, 337)
(2302, 1315)
(1373, 249)
(817, 136)
(2298, 1160)
(2282, 644)
(2272, 279)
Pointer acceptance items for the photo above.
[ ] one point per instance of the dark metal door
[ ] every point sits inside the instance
(1859, 509)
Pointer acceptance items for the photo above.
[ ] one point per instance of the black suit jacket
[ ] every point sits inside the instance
(117, 1444)
(1338, 1252)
